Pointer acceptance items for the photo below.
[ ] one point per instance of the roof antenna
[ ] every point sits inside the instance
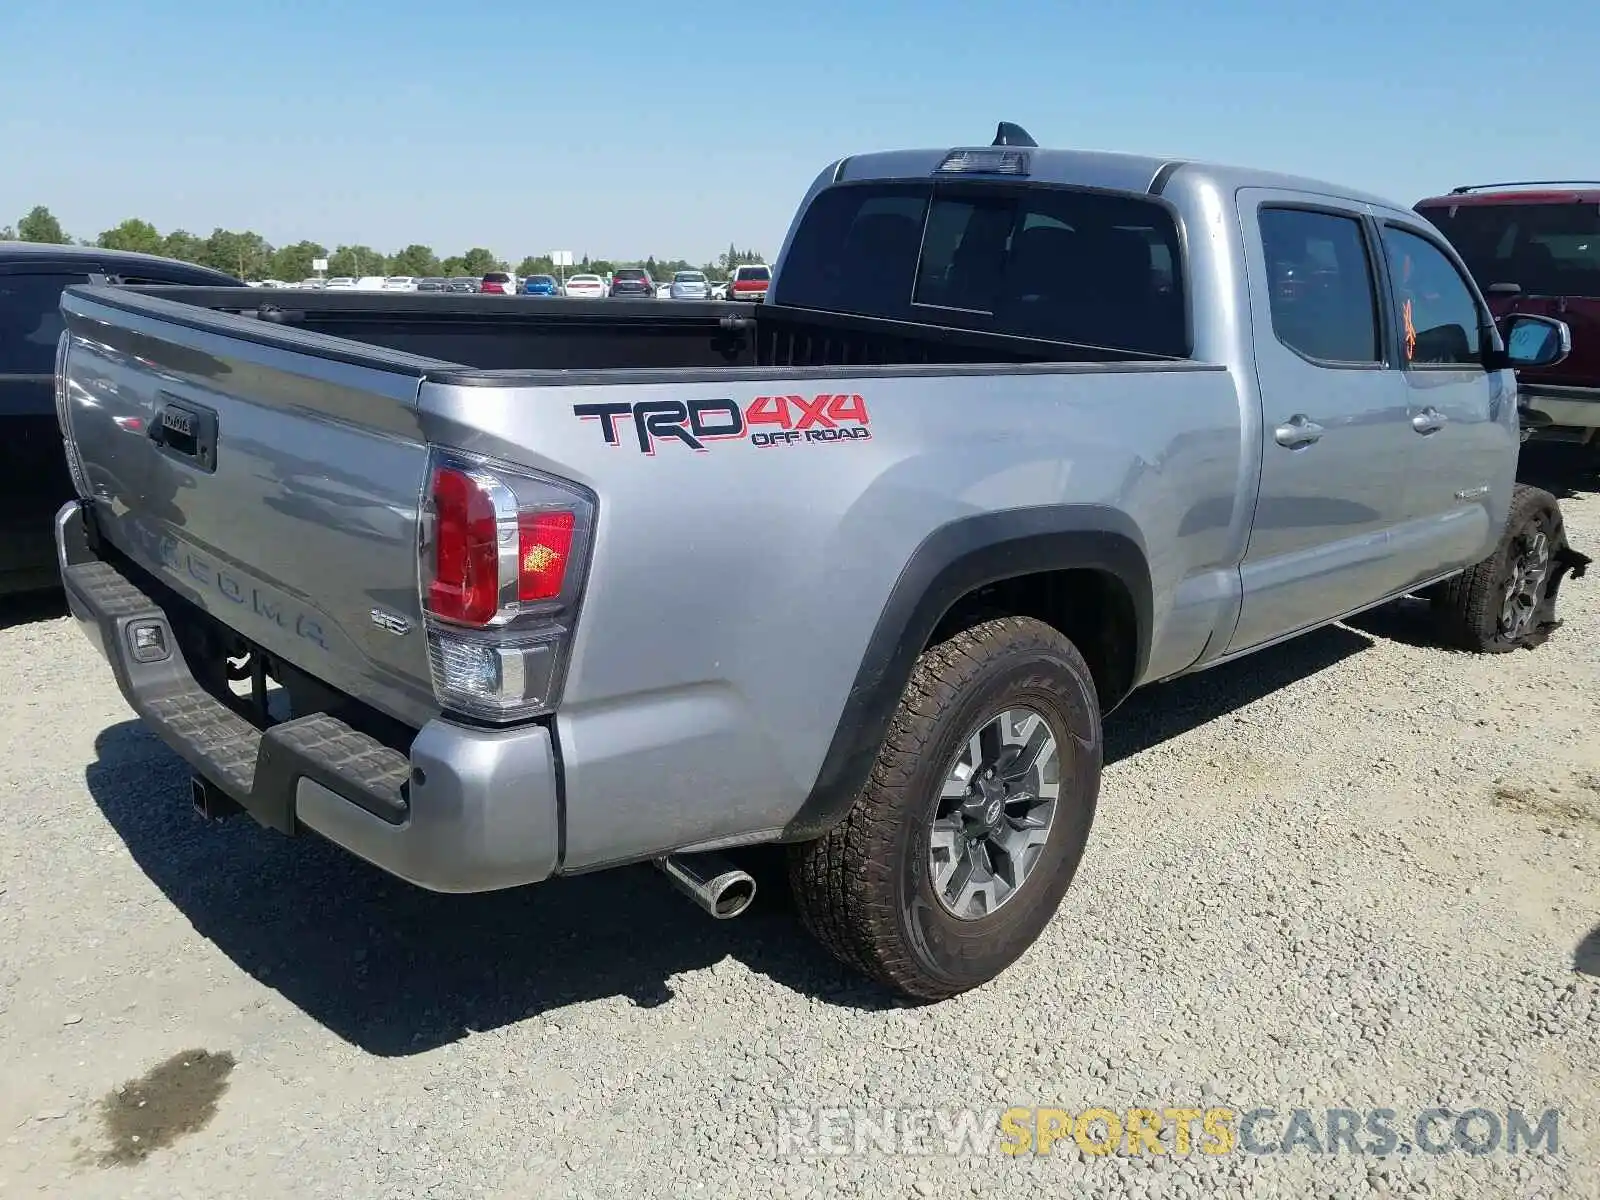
(1012, 135)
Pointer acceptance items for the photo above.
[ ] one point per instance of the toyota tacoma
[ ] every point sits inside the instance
(487, 594)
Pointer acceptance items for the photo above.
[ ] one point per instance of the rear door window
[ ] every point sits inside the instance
(1063, 264)
(1321, 286)
(30, 321)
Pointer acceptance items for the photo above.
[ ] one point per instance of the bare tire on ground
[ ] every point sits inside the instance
(1507, 601)
(957, 852)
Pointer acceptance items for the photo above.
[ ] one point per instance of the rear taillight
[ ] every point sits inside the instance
(465, 587)
(502, 552)
(544, 547)
(80, 482)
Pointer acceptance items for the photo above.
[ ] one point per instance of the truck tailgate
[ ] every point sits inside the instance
(275, 488)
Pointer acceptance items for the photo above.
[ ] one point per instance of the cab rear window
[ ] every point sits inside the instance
(1057, 263)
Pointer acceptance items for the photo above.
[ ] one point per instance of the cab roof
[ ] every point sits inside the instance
(1097, 169)
(122, 260)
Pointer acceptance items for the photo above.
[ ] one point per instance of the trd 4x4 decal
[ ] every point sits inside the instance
(765, 421)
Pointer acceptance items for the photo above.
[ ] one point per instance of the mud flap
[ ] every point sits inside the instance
(1564, 561)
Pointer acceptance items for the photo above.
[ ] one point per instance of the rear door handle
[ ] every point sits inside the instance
(1299, 430)
(1429, 420)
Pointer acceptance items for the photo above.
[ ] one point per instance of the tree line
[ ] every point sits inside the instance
(248, 255)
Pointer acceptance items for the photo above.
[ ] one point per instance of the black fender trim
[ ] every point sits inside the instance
(951, 562)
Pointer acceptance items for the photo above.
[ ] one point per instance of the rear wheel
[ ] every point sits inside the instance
(957, 853)
(1506, 602)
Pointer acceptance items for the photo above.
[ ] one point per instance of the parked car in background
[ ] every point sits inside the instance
(586, 287)
(498, 283)
(34, 477)
(316, 283)
(541, 285)
(1535, 248)
(371, 283)
(341, 283)
(464, 283)
(689, 285)
(750, 282)
(432, 283)
(664, 291)
(719, 290)
(1039, 470)
(400, 283)
(632, 283)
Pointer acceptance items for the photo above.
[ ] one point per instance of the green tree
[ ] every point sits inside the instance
(536, 264)
(40, 225)
(357, 261)
(293, 263)
(7, 234)
(415, 259)
(134, 234)
(477, 261)
(183, 245)
(242, 255)
(733, 256)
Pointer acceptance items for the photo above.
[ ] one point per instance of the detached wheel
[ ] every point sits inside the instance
(957, 853)
(1506, 602)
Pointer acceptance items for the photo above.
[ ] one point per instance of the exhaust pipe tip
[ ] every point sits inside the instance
(735, 896)
(711, 881)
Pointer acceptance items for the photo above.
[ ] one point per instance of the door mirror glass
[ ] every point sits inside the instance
(1536, 341)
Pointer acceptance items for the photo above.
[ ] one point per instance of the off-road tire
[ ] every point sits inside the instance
(1466, 607)
(863, 888)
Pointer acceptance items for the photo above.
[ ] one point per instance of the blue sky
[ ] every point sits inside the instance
(608, 128)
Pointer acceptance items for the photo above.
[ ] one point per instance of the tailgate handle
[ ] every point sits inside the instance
(187, 431)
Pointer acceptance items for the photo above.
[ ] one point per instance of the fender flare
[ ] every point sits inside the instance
(952, 561)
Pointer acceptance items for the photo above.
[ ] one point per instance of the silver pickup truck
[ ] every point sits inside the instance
(488, 592)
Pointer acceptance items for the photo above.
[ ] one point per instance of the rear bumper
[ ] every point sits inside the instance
(1569, 407)
(465, 810)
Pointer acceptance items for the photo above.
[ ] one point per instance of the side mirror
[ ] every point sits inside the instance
(1532, 341)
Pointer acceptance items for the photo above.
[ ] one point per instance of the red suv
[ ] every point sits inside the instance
(1535, 248)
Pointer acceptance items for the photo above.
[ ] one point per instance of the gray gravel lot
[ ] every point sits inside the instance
(1356, 871)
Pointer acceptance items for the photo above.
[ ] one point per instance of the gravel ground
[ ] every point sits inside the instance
(1356, 871)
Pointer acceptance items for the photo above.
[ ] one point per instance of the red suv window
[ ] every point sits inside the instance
(1545, 249)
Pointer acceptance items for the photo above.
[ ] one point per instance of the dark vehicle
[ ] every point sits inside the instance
(37, 481)
(498, 283)
(632, 283)
(433, 283)
(1535, 248)
(541, 285)
(462, 284)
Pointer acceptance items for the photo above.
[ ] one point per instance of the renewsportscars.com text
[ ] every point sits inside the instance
(1177, 1130)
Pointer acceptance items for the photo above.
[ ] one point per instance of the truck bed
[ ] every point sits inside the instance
(261, 482)
(535, 333)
